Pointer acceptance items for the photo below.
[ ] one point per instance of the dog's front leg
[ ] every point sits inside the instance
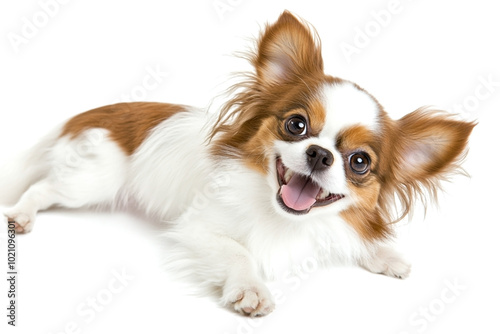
(221, 261)
(243, 289)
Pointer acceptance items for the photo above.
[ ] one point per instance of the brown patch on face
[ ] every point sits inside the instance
(314, 117)
(364, 215)
(317, 117)
(250, 137)
(256, 148)
(359, 138)
(128, 123)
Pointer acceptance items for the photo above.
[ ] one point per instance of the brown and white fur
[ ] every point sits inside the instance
(296, 164)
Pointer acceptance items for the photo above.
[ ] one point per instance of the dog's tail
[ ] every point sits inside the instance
(19, 173)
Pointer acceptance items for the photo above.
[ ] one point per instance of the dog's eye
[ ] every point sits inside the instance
(296, 126)
(359, 162)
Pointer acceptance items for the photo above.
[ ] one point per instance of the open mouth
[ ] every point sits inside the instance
(298, 193)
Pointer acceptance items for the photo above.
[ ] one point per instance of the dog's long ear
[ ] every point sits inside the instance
(288, 57)
(286, 50)
(425, 147)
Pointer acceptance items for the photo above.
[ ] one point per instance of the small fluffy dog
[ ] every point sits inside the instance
(297, 164)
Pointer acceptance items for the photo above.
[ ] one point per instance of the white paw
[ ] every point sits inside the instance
(398, 268)
(254, 300)
(23, 222)
(388, 262)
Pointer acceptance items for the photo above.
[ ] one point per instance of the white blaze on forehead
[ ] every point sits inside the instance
(345, 106)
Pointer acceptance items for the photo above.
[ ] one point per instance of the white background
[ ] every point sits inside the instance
(90, 53)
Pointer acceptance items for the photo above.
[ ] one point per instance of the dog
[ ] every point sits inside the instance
(296, 164)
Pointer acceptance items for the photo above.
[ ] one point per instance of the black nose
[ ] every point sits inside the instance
(319, 158)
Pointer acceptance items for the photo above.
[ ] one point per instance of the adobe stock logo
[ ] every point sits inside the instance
(88, 310)
(32, 24)
(426, 315)
(364, 35)
(154, 77)
(222, 7)
(470, 105)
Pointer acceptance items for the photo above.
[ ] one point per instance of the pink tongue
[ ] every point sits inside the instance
(300, 192)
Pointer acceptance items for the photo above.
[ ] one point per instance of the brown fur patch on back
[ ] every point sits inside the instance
(128, 123)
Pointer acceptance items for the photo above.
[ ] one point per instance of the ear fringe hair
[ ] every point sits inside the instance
(406, 195)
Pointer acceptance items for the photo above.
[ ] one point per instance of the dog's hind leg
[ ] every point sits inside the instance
(85, 171)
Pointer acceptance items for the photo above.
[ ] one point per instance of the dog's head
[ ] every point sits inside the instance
(325, 145)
